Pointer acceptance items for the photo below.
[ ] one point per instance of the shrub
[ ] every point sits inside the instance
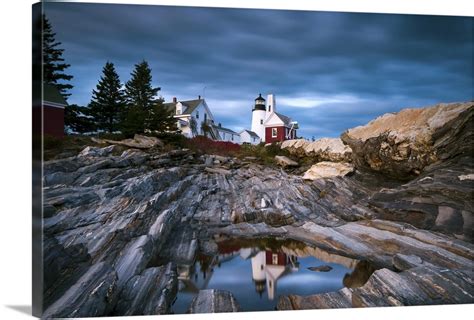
(263, 153)
(174, 139)
(205, 145)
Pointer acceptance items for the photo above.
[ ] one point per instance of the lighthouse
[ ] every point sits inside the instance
(258, 117)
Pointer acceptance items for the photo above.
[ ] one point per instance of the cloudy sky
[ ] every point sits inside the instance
(329, 71)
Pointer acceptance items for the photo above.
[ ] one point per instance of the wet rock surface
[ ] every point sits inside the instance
(113, 217)
(214, 301)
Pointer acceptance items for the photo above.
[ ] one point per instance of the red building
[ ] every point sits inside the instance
(279, 128)
(50, 113)
(275, 258)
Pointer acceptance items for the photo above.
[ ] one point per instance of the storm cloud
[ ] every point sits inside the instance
(329, 71)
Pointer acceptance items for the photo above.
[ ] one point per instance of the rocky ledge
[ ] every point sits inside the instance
(111, 212)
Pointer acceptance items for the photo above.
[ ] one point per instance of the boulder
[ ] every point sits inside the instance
(326, 169)
(324, 268)
(285, 161)
(96, 152)
(402, 144)
(214, 301)
(325, 149)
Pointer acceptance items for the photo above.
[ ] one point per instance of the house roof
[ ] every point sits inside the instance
(52, 95)
(252, 134)
(283, 118)
(190, 105)
(224, 129)
(286, 120)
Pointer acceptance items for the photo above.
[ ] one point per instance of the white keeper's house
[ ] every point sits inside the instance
(195, 118)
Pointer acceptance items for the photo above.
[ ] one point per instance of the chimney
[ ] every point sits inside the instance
(271, 101)
(199, 97)
(175, 100)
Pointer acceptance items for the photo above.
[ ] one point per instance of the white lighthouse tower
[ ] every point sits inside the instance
(258, 117)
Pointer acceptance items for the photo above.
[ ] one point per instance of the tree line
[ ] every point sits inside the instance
(131, 108)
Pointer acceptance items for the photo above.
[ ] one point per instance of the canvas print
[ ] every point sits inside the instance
(203, 160)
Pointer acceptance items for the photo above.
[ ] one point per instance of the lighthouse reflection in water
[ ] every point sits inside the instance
(257, 276)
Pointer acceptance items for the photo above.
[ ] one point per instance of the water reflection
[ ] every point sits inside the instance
(258, 272)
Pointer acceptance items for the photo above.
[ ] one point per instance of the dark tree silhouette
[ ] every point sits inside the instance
(107, 100)
(53, 63)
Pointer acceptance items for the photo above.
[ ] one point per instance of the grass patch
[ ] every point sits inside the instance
(265, 154)
(64, 147)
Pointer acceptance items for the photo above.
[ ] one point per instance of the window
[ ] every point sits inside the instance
(269, 108)
(274, 258)
(261, 121)
(197, 114)
(232, 138)
(205, 117)
(274, 132)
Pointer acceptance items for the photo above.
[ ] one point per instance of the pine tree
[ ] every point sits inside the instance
(53, 63)
(139, 90)
(161, 119)
(78, 119)
(134, 121)
(140, 100)
(107, 100)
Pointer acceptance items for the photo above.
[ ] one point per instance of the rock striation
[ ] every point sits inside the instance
(214, 301)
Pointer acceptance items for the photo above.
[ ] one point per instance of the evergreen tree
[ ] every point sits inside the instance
(144, 110)
(53, 63)
(161, 119)
(139, 90)
(78, 119)
(134, 121)
(107, 100)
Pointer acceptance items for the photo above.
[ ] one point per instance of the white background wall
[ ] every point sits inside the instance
(15, 126)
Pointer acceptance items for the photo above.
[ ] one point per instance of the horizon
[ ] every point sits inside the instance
(329, 71)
